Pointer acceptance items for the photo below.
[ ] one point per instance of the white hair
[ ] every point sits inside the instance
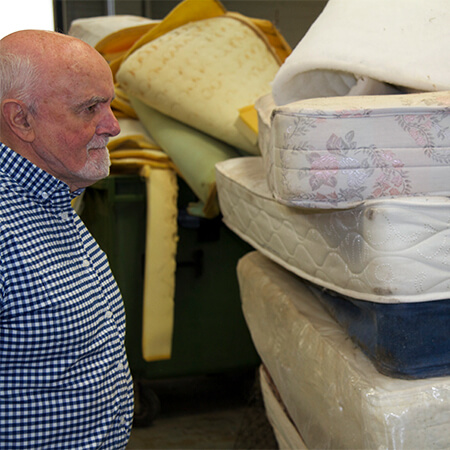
(19, 79)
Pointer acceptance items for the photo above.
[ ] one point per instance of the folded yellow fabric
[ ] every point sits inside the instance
(202, 73)
(133, 148)
(145, 154)
(160, 263)
(132, 135)
(275, 39)
(117, 44)
(194, 153)
(121, 105)
(134, 165)
(247, 123)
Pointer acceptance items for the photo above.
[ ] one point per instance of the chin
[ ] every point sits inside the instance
(95, 169)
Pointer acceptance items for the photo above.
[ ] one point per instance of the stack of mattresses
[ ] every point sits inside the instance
(374, 269)
(347, 297)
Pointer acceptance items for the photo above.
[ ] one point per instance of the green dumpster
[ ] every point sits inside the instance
(210, 333)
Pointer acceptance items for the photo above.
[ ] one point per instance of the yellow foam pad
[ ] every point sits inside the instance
(160, 263)
(202, 73)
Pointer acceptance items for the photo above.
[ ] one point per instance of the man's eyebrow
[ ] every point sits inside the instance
(90, 102)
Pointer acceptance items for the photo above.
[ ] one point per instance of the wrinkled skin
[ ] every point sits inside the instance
(67, 133)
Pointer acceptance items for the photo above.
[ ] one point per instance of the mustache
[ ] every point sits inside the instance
(98, 142)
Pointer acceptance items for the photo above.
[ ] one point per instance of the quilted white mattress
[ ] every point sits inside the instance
(332, 392)
(386, 251)
(336, 152)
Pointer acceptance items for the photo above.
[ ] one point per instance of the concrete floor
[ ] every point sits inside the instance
(207, 412)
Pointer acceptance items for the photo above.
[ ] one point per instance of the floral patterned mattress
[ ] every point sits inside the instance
(384, 250)
(336, 152)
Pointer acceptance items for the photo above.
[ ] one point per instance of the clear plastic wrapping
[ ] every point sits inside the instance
(333, 393)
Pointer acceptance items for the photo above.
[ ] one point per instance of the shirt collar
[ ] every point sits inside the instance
(32, 178)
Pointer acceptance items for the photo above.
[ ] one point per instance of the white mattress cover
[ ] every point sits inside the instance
(93, 29)
(402, 42)
(386, 251)
(332, 392)
(337, 152)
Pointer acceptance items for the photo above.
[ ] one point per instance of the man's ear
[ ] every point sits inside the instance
(19, 119)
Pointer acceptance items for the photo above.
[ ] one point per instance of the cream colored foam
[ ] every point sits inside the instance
(401, 42)
(202, 73)
(93, 29)
(332, 392)
(132, 135)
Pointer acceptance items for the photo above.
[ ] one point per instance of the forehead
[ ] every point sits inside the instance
(80, 81)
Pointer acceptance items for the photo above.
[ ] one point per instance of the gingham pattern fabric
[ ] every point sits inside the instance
(64, 376)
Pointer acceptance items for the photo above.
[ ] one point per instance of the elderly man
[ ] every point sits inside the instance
(64, 376)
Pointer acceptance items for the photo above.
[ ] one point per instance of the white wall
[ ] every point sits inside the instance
(26, 14)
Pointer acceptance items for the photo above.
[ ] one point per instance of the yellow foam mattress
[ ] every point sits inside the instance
(202, 73)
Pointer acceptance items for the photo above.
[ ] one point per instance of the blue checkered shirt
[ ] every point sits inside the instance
(64, 376)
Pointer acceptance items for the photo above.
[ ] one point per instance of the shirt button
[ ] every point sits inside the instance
(85, 263)
(108, 314)
(44, 195)
(120, 366)
(65, 215)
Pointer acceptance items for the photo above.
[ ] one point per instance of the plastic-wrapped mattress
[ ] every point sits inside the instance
(285, 431)
(337, 152)
(331, 391)
(386, 251)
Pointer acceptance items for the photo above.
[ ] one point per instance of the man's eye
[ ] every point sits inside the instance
(92, 108)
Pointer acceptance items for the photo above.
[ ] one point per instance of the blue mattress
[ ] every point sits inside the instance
(404, 340)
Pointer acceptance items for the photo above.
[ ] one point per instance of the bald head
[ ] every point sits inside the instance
(36, 43)
(39, 58)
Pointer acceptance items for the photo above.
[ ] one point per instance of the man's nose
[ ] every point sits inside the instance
(109, 124)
